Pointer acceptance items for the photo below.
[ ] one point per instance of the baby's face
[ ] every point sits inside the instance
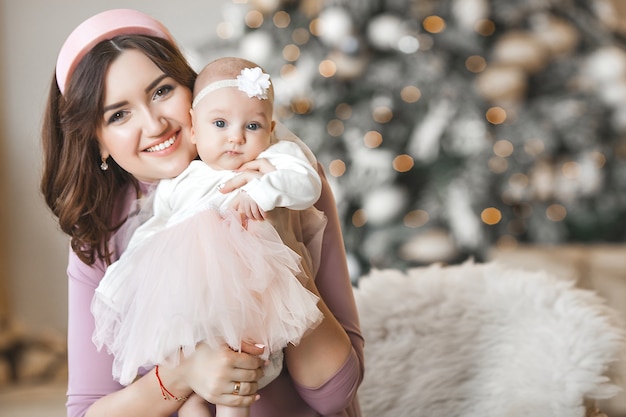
(231, 128)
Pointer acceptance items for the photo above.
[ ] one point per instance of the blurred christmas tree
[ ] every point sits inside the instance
(449, 126)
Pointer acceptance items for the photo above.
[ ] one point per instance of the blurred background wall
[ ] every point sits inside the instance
(447, 127)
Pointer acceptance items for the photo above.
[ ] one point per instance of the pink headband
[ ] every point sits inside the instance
(103, 26)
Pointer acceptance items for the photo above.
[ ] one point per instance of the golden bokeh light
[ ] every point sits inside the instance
(300, 36)
(519, 179)
(416, 218)
(359, 218)
(291, 53)
(314, 27)
(373, 139)
(571, 170)
(496, 115)
(410, 94)
(434, 24)
(598, 158)
(281, 19)
(337, 168)
(498, 165)
(556, 212)
(403, 163)
(491, 216)
(301, 105)
(485, 27)
(475, 64)
(343, 111)
(254, 19)
(503, 148)
(335, 127)
(382, 114)
(327, 68)
(287, 70)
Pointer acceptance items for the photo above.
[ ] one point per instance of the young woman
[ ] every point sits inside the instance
(116, 122)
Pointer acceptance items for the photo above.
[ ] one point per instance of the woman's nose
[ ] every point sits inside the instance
(154, 123)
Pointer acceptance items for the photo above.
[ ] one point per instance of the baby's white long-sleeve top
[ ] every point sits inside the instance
(295, 184)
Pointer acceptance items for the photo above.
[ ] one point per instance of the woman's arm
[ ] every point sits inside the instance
(90, 384)
(93, 392)
(325, 350)
(327, 365)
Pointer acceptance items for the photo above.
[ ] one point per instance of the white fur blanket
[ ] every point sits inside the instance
(481, 340)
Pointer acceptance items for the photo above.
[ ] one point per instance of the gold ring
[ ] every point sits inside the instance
(236, 388)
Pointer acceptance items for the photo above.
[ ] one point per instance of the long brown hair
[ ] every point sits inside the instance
(78, 192)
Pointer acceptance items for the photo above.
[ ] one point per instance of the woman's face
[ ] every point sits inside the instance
(146, 126)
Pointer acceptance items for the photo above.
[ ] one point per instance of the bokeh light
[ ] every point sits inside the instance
(403, 163)
(410, 94)
(496, 115)
(337, 168)
(556, 212)
(373, 139)
(434, 24)
(491, 216)
(254, 19)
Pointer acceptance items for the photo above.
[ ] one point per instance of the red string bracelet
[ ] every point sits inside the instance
(167, 395)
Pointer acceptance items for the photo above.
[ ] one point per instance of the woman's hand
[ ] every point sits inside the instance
(214, 374)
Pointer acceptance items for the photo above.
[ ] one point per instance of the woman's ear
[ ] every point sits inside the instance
(193, 131)
(273, 126)
(104, 154)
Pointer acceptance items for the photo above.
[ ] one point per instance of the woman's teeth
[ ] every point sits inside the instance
(161, 146)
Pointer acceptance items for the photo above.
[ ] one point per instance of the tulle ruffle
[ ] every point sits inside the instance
(206, 279)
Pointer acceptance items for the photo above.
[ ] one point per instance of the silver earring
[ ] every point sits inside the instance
(104, 166)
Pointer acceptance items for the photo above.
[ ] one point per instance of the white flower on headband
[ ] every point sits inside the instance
(254, 82)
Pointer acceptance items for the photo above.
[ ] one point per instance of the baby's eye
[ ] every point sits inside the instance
(220, 123)
(252, 126)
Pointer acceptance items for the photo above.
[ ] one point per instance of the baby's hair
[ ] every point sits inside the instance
(223, 69)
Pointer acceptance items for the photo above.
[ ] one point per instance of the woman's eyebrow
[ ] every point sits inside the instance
(155, 83)
(147, 90)
(114, 106)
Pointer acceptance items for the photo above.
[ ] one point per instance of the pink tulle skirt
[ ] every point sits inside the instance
(206, 279)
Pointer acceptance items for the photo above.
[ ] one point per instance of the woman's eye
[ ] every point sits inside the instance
(116, 117)
(220, 123)
(253, 126)
(163, 91)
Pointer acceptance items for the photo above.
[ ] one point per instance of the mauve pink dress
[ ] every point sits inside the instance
(90, 371)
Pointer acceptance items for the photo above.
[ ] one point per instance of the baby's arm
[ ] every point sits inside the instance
(294, 183)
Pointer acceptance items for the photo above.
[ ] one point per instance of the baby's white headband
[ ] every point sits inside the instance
(252, 81)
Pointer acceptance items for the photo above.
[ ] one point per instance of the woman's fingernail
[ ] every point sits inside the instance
(259, 345)
(220, 186)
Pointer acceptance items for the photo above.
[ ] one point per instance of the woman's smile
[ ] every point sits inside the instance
(163, 145)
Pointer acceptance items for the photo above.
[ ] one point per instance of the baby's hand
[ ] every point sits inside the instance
(247, 207)
(261, 165)
(238, 181)
(247, 172)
